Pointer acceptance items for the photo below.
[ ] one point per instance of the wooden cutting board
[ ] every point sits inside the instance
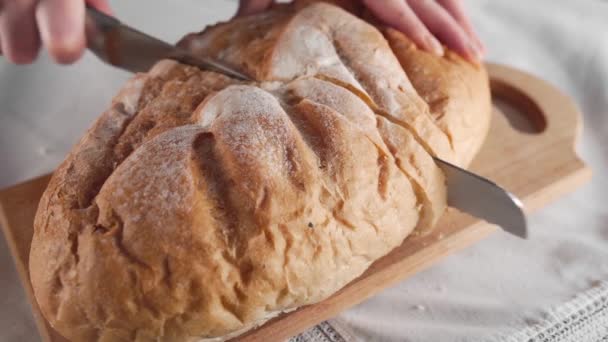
(529, 151)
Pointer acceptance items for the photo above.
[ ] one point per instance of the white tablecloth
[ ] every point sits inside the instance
(499, 285)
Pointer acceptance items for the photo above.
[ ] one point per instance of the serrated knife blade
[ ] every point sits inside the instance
(484, 199)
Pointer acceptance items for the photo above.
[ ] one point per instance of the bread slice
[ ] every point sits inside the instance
(456, 91)
(410, 157)
(321, 39)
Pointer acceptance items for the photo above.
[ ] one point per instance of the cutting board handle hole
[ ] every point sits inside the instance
(522, 112)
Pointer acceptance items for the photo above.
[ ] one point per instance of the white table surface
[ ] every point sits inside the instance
(499, 284)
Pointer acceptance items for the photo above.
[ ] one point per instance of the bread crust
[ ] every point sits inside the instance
(198, 206)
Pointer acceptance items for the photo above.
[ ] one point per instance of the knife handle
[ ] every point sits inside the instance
(97, 24)
(109, 38)
(102, 21)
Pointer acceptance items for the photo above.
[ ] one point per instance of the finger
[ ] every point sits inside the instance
(61, 26)
(456, 10)
(101, 5)
(444, 27)
(398, 14)
(247, 7)
(18, 34)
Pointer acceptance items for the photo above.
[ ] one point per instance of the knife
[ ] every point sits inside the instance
(484, 199)
(132, 50)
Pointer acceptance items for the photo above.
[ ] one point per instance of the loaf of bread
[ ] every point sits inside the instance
(198, 206)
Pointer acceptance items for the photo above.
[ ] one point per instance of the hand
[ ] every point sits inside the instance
(426, 22)
(58, 25)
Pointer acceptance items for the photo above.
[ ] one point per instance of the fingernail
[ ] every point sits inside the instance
(481, 47)
(474, 52)
(62, 34)
(434, 46)
(105, 8)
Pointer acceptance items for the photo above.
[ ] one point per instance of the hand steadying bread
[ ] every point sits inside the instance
(198, 206)
(58, 25)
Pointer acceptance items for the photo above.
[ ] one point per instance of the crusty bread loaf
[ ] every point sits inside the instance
(198, 206)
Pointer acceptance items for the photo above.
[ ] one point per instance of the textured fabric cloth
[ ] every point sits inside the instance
(329, 331)
(582, 319)
(500, 286)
